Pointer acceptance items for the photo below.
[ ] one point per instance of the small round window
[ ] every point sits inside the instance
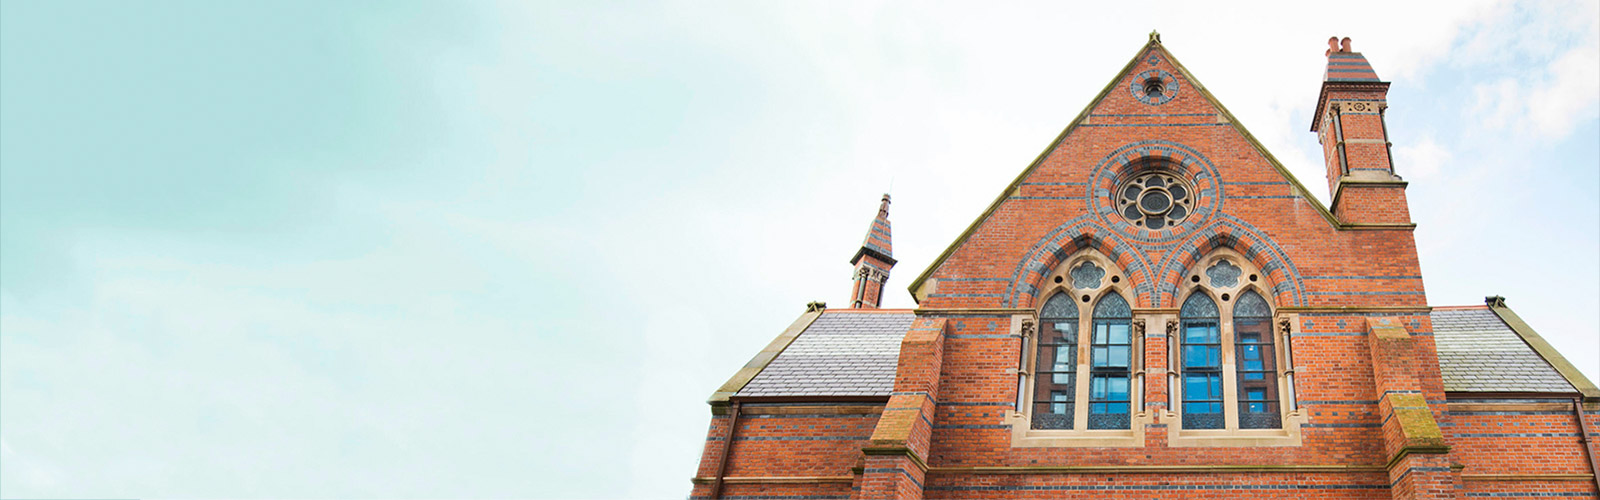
(1155, 200)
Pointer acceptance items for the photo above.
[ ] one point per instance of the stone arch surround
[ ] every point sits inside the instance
(1235, 234)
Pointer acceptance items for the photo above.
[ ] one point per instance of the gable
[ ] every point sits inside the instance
(1185, 109)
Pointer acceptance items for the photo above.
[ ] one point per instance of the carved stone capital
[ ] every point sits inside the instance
(1027, 328)
(1172, 327)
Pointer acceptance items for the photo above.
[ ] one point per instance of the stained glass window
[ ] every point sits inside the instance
(1055, 378)
(1258, 368)
(1110, 364)
(1202, 363)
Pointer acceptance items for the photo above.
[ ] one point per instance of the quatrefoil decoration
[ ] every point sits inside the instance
(1087, 276)
(1224, 274)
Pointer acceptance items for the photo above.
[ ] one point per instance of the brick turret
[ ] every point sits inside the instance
(873, 262)
(1349, 123)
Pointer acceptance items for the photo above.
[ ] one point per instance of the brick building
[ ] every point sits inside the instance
(1156, 308)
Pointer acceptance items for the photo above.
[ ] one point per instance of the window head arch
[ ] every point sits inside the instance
(1251, 305)
(1060, 306)
(1199, 306)
(1113, 306)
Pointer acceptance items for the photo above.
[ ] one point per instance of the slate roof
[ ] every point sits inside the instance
(1478, 352)
(1349, 67)
(854, 353)
(842, 353)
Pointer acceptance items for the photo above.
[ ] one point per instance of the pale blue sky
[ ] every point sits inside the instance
(385, 249)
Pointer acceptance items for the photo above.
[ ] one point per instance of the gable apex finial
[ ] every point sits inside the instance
(1155, 36)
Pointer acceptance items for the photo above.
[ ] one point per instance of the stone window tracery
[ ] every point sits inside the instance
(1231, 374)
(1155, 200)
(1080, 366)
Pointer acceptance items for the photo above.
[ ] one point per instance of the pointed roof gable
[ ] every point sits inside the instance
(1154, 44)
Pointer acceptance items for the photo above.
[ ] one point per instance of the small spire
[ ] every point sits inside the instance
(873, 261)
(1155, 37)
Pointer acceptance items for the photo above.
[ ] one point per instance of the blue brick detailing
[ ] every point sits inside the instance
(1075, 234)
(1169, 87)
(1288, 289)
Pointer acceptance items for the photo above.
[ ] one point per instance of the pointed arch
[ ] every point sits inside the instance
(1029, 279)
(1284, 283)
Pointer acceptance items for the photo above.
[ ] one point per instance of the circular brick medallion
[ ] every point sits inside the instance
(1154, 87)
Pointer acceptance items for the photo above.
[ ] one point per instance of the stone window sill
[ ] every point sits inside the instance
(1289, 435)
(1022, 436)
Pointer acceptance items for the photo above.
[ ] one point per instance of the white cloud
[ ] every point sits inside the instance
(1422, 159)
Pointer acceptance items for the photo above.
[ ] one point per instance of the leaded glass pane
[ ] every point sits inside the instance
(1258, 372)
(1251, 305)
(1108, 401)
(1045, 418)
(1055, 377)
(1202, 420)
(1087, 276)
(1108, 421)
(1059, 306)
(1199, 306)
(1224, 274)
(1257, 414)
(1112, 306)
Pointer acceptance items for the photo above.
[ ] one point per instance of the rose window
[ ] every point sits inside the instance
(1155, 200)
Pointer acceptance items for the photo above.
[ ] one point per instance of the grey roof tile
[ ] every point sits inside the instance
(842, 353)
(1479, 353)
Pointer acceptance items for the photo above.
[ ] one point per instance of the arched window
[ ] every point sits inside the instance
(1203, 398)
(1231, 375)
(1056, 370)
(1110, 362)
(1258, 368)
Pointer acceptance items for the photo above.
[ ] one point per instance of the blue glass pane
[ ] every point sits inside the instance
(1194, 387)
(1224, 274)
(1251, 305)
(1199, 306)
(1099, 333)
(1118, 389)
(1097, 387)
(1119, 356)
(1087, 276)
(1100, 357)
(1201, 333)
(1059, 306)
(1196, 356)
(1119, 333)
(1061, 378)
(1113, 306)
